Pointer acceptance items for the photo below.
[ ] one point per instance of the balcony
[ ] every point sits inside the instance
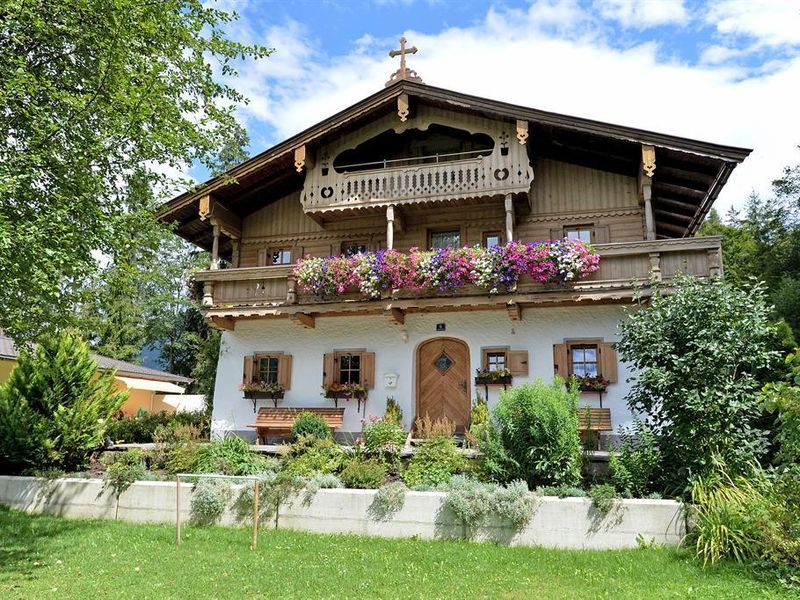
(624, 269)
(453, 176)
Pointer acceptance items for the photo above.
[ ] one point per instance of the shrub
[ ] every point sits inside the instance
(433, 463)
(210, 498)
(536, 436)
(636, 464)
(562, 491)
(308, 423)
(783, 397)
(393, 412)
(473, 501)
(364, 474)
(310, 455)
(427, 428)
(54, 406)
(141, 428)
(129, 467)
(383, 435)
(230, 456)
(701, 350)
(604, 498)
(388, 501)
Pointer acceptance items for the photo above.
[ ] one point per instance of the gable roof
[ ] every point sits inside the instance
(689, 174)
(8, 351)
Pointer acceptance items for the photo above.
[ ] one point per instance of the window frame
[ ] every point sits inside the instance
(338, 355)
(346, 243)
(493, 233)
(497, 350)
(445, 230)
(272, 251)
(580, 228)
(584, 344)
(258, 371)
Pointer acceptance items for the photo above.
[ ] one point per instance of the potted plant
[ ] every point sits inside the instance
(593, 383)
(335, 391)
(495, 377)
(260, 390)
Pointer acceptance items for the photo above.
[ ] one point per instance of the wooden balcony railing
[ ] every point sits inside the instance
(623, 266)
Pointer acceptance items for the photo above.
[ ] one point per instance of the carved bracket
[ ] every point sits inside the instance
(302, 158)
(403, 107)
(522, 131)
(304, 320)
(514, 311)
(648, 160)
(204, 207)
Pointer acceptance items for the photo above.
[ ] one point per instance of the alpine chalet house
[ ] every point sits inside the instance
(432, 248)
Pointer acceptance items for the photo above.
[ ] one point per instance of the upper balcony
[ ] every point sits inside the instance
(625, 270)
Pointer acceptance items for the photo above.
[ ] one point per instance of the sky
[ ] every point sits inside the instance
(723, 71)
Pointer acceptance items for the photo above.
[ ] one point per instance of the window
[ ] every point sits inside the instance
(280, 257)
(445, 239)
(583, 234)
(495, 361)
(353, 248)
(584, 359)
(349, 368)
(492, 238)
(267, 369)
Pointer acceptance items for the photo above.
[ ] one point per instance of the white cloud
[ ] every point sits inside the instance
(551, 57)
(640, 14)
(770, 22)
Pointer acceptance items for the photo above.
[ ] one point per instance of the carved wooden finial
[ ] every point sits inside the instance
(403, 73)
(648, 160)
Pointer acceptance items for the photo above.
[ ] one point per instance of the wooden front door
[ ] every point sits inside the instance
(443, 381)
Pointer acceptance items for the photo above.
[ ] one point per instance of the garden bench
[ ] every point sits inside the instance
(279, 421)
(594, 419)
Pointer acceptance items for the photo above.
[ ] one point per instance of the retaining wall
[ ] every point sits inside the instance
(556, 523)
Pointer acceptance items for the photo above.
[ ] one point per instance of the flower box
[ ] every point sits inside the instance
(489, 380)
(263, 395)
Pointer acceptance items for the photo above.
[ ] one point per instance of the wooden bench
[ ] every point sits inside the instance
(594, 419)
(279, 421)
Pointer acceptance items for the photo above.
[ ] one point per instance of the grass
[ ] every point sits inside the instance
(52, 557)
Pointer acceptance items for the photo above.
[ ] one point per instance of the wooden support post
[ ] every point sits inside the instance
(215, 248)
(208, 293)
(390, 227)
(177, 510)
(714, 263)
(509, 206)
(291, 291)
(303, 319)
(234, 253)
(655, 265)
(255, 516)
(646, 172)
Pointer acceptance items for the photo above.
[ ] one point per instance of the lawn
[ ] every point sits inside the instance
(59, 558)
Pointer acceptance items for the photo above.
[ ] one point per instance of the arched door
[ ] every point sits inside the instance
(443, 380)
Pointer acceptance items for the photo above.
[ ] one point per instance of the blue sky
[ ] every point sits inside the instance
(725, 71)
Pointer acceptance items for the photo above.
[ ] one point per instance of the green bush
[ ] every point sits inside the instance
(129, 467)
(473, 501)
(383, 434)
(604, 498)
(310, 455)
(308, 423)
(637, 463)
(393, 412)
(535, 437)
(364, 474)
(388, 501)
(54, 406)
(141, 427)
(210, 499)
(230, 456)
(562, 491)
(433, 463)
(783, 398)
(701, 347)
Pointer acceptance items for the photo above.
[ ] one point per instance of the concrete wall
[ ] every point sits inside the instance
(395, 352)
(557, 523)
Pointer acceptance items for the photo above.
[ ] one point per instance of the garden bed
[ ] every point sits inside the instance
(556, 523)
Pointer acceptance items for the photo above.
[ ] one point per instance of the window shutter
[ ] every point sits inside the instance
(247, 371)
(329, 373)
(262, 257)
(518, 362)
(602, 234)
(608, 362)
(285, 370)
(368, 369)
(557, 233)
(561, 360)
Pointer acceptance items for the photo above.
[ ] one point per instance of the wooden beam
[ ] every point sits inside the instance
(396, 315)
(673, 215)
(686, 207)
(514, 311)
(223, 323)
(229, 223)
(678, 189)
(673, 228)
(303, 319)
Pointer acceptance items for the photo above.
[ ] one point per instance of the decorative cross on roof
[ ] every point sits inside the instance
(403, 72)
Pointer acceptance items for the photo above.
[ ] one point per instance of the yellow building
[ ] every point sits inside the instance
(148, 389)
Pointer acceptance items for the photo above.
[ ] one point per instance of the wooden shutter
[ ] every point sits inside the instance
(330, 374)
(368, 369)
(247, 370)
(262, 257)
(602, 234)
(285, 370)
(561, 361)
(556, 233)
(518, 362)
(608, 361)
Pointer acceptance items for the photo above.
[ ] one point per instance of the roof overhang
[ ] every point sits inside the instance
(136, 383)
(689, 176)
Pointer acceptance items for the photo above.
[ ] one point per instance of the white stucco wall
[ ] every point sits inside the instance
(538, 330)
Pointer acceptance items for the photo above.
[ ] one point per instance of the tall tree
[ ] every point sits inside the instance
(94, 93)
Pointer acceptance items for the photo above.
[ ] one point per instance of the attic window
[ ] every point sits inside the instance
(438, 143)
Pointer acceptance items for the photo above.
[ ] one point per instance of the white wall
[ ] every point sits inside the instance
(538, 330)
